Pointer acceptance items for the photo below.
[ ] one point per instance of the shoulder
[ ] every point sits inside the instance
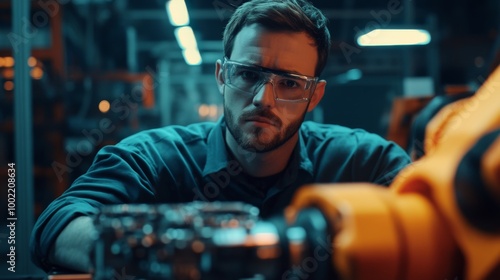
(156, 147)
(343, 140)
(173, 134)
(361, 156)
(318, 132)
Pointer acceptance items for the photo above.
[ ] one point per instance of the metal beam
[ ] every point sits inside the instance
(132, 49)
(23, 136)
(165, 94)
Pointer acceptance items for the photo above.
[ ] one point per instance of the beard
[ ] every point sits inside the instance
(260, 140)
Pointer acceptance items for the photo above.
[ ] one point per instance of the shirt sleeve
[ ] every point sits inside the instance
(119, 174)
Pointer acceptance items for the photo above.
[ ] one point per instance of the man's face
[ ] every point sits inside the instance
(259, 122)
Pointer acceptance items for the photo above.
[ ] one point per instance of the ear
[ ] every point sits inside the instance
(218, 76)
(316, 97)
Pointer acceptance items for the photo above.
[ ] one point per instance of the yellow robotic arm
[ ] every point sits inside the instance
(440, 219)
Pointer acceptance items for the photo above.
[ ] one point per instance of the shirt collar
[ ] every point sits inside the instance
(217, 157)
(299, 161)
(304, 160)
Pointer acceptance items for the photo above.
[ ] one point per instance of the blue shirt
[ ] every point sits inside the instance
(184, 163)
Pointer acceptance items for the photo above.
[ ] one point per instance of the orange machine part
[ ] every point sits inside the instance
(452, 133)
(381, 236)
(414, 229)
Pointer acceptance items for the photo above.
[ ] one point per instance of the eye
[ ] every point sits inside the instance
(289, 83)
(249, 75)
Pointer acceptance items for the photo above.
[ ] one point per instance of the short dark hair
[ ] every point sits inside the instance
(282, 15)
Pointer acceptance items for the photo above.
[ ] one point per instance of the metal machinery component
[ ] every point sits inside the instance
(204, 241)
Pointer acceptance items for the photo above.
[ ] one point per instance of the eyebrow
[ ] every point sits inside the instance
(277, 70)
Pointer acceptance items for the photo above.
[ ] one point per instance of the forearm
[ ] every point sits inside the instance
(73, 246)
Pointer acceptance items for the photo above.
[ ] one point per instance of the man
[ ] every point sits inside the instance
(260, 153)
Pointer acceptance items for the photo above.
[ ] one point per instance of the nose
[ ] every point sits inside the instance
(264, 96)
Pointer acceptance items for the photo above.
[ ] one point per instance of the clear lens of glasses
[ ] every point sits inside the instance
(250, 79)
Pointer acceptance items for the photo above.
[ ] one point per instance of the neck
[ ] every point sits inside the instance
(262, 164)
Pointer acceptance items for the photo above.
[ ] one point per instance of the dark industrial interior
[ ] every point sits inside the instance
(101, 70)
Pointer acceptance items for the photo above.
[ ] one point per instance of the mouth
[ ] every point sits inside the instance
(261, 120)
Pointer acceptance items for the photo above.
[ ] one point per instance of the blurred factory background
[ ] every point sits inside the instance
(102, 70)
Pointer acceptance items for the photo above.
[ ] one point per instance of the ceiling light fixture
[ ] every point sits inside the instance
(179, 16)
(394, 37)
(177, 12)
(192, 56)
(185, 37)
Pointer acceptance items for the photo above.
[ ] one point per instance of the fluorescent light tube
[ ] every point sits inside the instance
(395, 37)
(192, 56)
(177, 12)
(185, 37)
